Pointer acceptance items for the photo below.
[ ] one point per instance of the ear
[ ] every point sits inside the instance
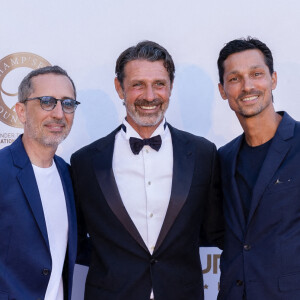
(274, 80)
(21, 112)
(171, 88)
(222, 92)
(119, 88)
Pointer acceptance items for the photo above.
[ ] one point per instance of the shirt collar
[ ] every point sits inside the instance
(127, 130)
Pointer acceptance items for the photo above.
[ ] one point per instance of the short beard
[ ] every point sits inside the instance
(149, 120)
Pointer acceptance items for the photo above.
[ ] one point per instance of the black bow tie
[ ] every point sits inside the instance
(137, 145)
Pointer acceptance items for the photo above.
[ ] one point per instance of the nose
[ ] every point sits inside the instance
(149, 93)
(248, 84)
(57, 111)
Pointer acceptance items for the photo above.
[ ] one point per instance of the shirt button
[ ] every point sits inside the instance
(247, 247)
(149, 182)
(45, 272)
(147, 151)
(239, 282)
(151, 215)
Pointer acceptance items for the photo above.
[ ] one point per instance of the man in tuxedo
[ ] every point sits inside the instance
(261, 181)
(37, 211)
(148, 194)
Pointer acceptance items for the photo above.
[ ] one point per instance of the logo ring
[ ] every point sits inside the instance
(10, 62)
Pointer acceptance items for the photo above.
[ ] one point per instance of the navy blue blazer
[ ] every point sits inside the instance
(121, 266)
(262, 254)
(25, 259)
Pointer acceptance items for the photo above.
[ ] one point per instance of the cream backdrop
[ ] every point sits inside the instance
(86, 37)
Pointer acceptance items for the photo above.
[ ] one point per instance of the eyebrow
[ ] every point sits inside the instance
(251, 68)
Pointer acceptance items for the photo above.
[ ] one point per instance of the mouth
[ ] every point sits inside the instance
(149, 107)
(250, 98)
(53, 127)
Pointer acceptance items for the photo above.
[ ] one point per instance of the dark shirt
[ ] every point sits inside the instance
(249, 162)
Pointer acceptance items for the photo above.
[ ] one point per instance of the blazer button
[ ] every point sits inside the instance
(239, 282)
(247, 247)
(45, 272)
(153, 261)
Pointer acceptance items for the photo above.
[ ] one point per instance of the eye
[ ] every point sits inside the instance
(68, 102)
(233, 79)
(48, 101)
(137, 84)
(256, 74)
(160, 83)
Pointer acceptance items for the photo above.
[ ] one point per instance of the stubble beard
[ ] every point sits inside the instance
(51, 140)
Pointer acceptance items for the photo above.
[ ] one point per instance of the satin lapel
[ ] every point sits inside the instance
(183, 167)
(277, 152)
(69, 198)
(233, 206)
(106, 179)
(28, 183)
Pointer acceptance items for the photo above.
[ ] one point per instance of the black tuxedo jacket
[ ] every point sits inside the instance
(121, 267)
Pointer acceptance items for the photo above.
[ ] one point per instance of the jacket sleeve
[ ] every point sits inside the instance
(213, 227)
(84, 243)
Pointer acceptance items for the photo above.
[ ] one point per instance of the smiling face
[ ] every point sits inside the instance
(248, 83)
(46, 128)
(146, 92)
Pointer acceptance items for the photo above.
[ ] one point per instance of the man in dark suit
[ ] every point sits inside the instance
(37, 211)
(261, 181)
(147, 193)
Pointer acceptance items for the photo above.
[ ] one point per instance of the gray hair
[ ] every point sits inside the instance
(26, 87)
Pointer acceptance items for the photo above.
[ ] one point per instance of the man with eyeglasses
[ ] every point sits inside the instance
(37, 214)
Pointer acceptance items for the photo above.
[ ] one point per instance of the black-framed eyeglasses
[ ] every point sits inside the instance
(48, 103)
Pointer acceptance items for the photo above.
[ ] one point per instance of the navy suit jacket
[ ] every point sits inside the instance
(25, 259)
(121, 266)
(262, 254)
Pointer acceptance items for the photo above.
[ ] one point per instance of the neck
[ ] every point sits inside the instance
(145, 132)
(260, 129)
(39, 155)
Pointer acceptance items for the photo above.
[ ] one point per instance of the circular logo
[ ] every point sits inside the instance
(9, 63)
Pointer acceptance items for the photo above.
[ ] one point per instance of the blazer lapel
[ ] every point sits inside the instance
(183, 167)
(107, 182)
(233, 208)
(28, 184)
(63, 171)
(277, 152)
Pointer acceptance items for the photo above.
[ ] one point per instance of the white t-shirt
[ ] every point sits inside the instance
(56, 217)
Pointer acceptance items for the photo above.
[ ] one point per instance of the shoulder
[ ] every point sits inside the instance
(231, 145)
(89, 149)
(60, 162)
(186, 137)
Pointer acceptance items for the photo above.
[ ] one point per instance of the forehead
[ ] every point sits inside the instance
(247, 59)
(55, 85)
(140, 69)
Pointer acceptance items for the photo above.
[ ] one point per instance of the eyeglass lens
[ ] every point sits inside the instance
(68, 105)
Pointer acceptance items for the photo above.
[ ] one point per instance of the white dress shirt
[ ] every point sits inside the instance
(144, 181)
(56, 217)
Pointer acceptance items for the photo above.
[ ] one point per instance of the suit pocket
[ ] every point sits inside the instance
(281, 184)
(289, 282)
